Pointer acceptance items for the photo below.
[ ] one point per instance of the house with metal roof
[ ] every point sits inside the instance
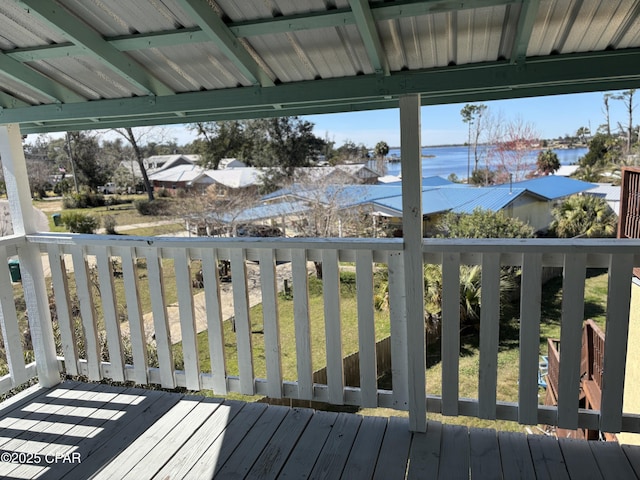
(552, 187)
(531, 201)
(196, 178)
(175, 178)
(156, 163)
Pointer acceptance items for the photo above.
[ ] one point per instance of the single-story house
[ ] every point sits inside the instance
(194, 177)
(351, 173)
(156, 163)
(175, 178)
(230, 163)
(228, 179)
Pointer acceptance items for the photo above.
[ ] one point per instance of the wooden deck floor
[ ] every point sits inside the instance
(79, 431)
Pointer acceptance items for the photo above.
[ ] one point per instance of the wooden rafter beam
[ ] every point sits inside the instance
(528, 13)
(369, 33)
(54, 91)
(220, 34)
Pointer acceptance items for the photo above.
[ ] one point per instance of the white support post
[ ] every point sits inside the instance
(35, 290)
(413, 271)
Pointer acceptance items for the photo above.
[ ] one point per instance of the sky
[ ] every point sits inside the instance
(552, 116)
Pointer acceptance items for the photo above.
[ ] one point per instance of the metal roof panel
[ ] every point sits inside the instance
(551, 186)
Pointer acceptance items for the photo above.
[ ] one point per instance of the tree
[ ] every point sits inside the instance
(582, 134)
(627, 98)
(83, 151)
(381, 150)
(291, 143)
(135, 138)
(603, 149)
(511, 153)
(349, 152)
(219, 140)
(547, 162)
(482, 224)
(331, 210)
(39, 173)
(473, 115)
(607, 113)
(217, 215)
(282, 145)
(584, 216)
(470, 295)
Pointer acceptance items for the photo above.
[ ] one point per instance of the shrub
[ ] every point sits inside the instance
(83, 200)
(116, 200)
(163, 193)
(109, 223)
(78, 222)
(159, 206)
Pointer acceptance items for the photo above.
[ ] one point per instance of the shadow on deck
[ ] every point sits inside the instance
(80, 430)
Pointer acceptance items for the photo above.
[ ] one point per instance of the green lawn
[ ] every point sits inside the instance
(124, 214)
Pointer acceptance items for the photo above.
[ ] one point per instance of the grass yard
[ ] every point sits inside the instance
(124, 214)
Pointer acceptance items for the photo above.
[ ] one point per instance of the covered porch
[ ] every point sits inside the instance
(73, 65)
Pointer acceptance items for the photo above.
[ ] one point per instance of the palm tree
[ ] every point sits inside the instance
(548, 162)
(584, 216)
(589, 173)
(470, 294)
(472, 115)
(381, 150)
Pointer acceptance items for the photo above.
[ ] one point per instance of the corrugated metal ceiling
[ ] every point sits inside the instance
(74, 63)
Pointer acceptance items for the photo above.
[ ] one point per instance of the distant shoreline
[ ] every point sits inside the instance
(462, 145)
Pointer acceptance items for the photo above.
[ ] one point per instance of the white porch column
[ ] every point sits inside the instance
(414, 282)
(35, 291)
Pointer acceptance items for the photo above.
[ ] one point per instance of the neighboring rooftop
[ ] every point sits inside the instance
(552, 187)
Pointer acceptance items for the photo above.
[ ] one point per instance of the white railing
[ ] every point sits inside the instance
(91, 258)
(574, 257)
(13, 333)
(75, 253)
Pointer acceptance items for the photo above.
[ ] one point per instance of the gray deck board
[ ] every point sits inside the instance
(200, 442)
(276, 452)
(332, 458)
(394, 453)
(454, 452)
(171, 440)
(633, 455)
(612, 461)
(365, 447)
(516, 456)
(424, 457)
(484, 452)
(547, 458)
(99, 451)
(226, 443)
(304, 455)
(579, 459)
(245, 455)
(133, 433)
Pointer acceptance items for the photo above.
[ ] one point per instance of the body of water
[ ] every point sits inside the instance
(443, 161)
